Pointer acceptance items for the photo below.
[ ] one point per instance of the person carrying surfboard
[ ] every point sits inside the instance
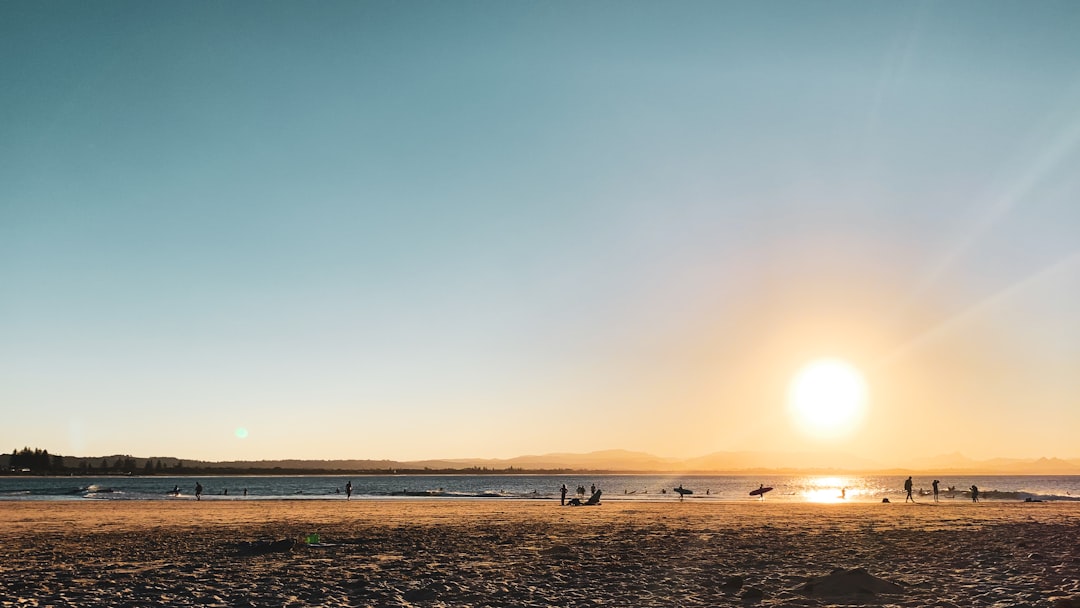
(760, 492)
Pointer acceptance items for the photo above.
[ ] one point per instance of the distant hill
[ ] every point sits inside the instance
(956, 462)
(608, 460)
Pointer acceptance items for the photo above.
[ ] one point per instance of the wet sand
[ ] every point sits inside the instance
(525, 553)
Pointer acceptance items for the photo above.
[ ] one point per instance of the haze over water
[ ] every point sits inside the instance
(435, 230)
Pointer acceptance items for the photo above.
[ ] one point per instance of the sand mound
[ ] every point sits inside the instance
(856, 581)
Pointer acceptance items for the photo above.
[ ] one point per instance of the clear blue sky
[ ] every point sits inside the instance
(440, 229)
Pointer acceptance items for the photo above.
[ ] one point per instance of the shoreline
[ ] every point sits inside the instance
(623, 488)
(533, 553)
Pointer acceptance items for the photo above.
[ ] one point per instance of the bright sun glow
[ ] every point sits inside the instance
(827, 398)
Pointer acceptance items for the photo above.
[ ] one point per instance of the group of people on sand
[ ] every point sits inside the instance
(594, 496)
(908, 487)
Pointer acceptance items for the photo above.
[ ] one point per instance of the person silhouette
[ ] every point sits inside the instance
(198, 491)
(935, 484)
(562, 495)
(907, 488)
(974, 493)
(348, 489)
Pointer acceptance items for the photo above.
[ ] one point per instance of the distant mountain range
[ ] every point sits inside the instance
(615, 461)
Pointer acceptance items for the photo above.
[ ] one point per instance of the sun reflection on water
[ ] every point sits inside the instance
(828, 489)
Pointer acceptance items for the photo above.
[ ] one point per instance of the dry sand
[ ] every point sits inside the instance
(524, 553)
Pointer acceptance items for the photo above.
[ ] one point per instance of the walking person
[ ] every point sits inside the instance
(198, 491)
(348, 489)
(974, 493)
(907, 488)
(935, 484)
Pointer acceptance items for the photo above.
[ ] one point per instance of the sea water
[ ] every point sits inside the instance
(797, 488)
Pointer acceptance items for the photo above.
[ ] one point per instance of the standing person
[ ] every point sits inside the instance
(198, 491)
(974, 493)
(562, 495)
(935, 484)
(907, 488)
(348, 490)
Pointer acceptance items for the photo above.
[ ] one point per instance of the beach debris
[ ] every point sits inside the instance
(840, 582)
(261, 547)
(314, 541)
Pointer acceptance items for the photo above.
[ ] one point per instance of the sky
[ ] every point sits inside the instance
(414, 230)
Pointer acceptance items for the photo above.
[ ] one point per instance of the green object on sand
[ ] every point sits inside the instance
(312, 539)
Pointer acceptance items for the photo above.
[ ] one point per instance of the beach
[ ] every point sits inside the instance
(536, 553)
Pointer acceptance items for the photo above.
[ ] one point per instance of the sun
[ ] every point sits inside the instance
(827, 397)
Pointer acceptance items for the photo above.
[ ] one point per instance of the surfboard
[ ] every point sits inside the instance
(683, 491)
(760, 491)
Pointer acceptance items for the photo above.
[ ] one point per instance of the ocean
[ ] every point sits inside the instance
(786, 488)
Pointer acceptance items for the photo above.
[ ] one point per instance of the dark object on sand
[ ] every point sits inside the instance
(262, 547)
(593, 500)
(840, 582)
(885, 500)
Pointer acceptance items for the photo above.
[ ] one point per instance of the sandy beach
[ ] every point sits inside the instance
(525, 553)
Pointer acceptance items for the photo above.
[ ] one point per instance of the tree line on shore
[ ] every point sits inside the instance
(39, 462)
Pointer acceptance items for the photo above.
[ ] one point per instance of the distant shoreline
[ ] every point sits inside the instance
(276, 472)
(607, 462)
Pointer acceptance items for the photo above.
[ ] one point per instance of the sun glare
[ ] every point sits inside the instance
(828, 489)
(827, 398)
